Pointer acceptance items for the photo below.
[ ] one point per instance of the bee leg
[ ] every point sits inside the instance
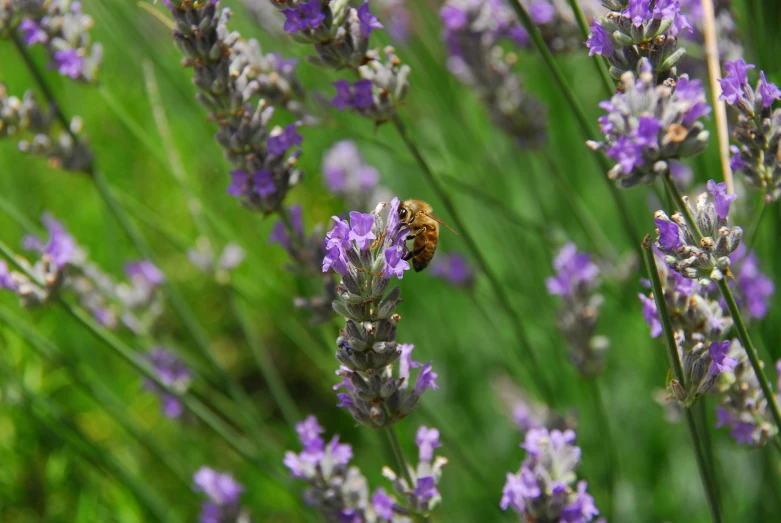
(419, 232)
(412, 254)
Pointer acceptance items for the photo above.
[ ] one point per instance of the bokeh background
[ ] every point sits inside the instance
(520, 204)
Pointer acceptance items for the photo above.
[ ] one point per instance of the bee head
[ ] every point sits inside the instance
(403, 213)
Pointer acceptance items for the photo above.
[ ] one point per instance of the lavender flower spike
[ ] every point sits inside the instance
(647, 126)
(174, 374)
(576, 282)
(545, 487)
(222, 492)
(367, 259)
(337, 490)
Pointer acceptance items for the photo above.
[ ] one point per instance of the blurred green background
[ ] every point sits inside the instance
(44, 474)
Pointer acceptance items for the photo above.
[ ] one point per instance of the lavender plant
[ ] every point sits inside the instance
(636, 30)
(222, 493)
(473, 32)
(454, 269)
(176, 377)
(758, 131)
(576, 282)
(544, 489)
(367, 253)
(61, 28)
(753, 288)
(525, 412)
(346, 173)
(36, 131)
(649, 125)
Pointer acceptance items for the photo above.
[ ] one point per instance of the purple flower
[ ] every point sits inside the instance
(454, 269)
(219, 487)
(69, 63)
(426, 489)
(582, 509)
(647, 133)
(280, 143)
(174, 374)
(395, 265)
(720, 361)
(573, 269)
(721, 199)
(169, 4)
(264, 183)
(343, 96)
(361, 229)
(427, 440)
(303, 17)
(692, 92)
(339, 236)
(368, 22)
(382, 504)
(312, 13)
(651, 315)
(754, 287)
(452, 17)
(767, 90)
(627, 153)
(736, 162)
(426, 379)
(279, 235)
(341, 453)
(6, 280)
(61, 247)
(542, 12)
(363, 96)
(669, 235)
(517, 489)
(309, 432)
(743, 432)
(638, 11)
(239, 183)
(734, 84)
(599, 41)
(32, 33)
(144, 271)
(723, 417)
(336, 259)
(406, 362)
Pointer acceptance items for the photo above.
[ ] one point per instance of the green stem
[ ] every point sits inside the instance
(265, 364)
(682, 205)
(611, 464)
(100, 394)
(535, 371)
(607, 80)
(672, 352)
(583, 122)
(753, 230)
(751, 351)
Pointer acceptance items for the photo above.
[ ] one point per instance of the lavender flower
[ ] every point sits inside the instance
(340, 37)
(753, 289)
(62, 28)
(758, 131)
(367, 253)
(634, 31)
(35, 128)
(454, 269)
(473, 32)
(397, 15)
(223, 492)
(728, 38)
(345, 173)
(576, 282)
(525, 412)
(544, 488)
(424, 498)
(338, 491)
(175, 375)
(707, 259)
(649, 125)
(229, 73)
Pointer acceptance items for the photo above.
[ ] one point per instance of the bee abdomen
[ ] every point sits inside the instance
(422, 260)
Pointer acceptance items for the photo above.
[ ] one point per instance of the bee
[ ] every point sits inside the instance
(424, 229)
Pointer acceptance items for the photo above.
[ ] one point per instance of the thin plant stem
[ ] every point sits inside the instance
(753, 229)
(714, 74)
(177, 302)
(672, 352)
(533, 367)
(100, 394)
(266, 365)
(607, 80)
(734, 312)
(611, 463)
(585, 126)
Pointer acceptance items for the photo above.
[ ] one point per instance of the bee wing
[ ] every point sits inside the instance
(439, 220)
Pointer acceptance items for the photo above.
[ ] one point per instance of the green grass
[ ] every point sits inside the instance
(44, 475)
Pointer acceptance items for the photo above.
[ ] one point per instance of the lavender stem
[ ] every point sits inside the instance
(604, 74)
(672, 352)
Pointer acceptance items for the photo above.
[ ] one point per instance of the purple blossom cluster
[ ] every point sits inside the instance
(35, 128)
(174, 374)
(525, 412)
(346, 173)
(705, 258)
(223, 494)
(753, 289)
(758, 130)
(648, 125)
(636, 30)
(230, 73)
(544, 489)
(473, 32)
(743, 408)
(62, 28)
(338, 491)
(576, 282)
(454, 268)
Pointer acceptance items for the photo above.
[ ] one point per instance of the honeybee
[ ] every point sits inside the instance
(424, 229)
